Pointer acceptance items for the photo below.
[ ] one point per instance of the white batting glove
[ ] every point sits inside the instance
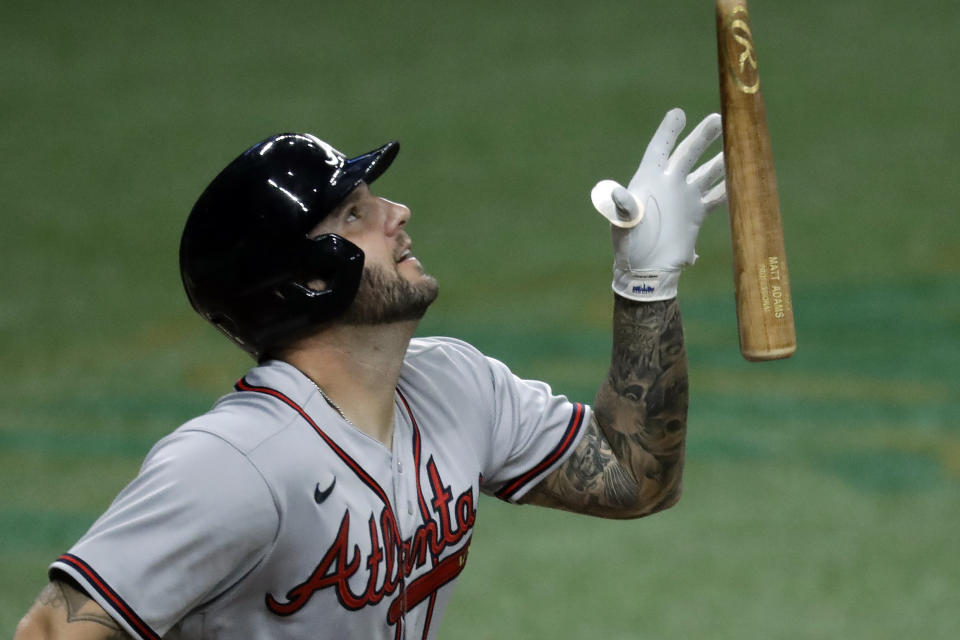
(655, 220)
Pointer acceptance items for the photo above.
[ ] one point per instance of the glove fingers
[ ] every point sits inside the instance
(707, 174)
(693, 146)
(715, 197)
(658, 151)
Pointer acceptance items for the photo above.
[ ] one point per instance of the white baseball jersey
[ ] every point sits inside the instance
(272, 517)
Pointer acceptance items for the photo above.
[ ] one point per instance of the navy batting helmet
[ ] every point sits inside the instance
(245, 256)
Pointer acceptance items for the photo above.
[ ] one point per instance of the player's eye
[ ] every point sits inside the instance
(353, 213)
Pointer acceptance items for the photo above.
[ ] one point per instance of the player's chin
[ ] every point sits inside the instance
(412, 272)
(427, 288)
(426, 284)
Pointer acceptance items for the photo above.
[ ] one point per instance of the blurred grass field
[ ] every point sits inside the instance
(822, 496)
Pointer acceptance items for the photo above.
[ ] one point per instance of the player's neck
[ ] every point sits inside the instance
(357, 367)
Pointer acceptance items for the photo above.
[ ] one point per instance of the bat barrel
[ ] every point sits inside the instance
(761, 279)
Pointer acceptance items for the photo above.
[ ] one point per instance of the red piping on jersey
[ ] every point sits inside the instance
(416, 457)
(115, 600)
(243, 385)
(576, 420)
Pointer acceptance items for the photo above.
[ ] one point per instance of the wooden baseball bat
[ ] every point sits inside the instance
(762, 285)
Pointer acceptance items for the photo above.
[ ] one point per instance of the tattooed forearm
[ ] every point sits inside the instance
(80, 608)
(630, 460)
(642, 406)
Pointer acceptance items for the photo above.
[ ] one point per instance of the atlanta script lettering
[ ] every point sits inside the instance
(391, 559)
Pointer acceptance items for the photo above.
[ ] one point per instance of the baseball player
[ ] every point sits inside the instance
(333, 493)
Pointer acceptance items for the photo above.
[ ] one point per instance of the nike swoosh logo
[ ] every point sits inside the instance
(322, 494)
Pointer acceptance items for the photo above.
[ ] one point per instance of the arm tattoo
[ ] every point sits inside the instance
(630, 460)
(80, 608)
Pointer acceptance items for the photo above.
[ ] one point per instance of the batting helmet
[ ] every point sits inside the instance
(245, 256)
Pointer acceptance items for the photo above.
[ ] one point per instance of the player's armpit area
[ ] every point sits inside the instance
(62, 611)
(629, 462)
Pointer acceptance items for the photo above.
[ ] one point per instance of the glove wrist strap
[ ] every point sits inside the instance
(646, 286)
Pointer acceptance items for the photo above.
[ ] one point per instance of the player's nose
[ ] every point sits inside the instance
(397, 216)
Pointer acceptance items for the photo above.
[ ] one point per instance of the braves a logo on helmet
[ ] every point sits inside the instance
(334, 157)
(391, 560)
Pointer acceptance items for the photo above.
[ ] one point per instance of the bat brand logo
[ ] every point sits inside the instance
(739, 52)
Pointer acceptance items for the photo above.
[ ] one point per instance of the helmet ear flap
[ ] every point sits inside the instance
(339, 263)
(336, 261)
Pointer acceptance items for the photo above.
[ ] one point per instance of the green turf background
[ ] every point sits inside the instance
(822, 498)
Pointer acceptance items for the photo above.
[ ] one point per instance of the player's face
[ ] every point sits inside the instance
(394, 286)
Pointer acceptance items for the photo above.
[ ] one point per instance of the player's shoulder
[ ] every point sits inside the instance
(195, 482)
(252, 414)
(442, 350)
(441, 346)
(445, 365)
(189, 451)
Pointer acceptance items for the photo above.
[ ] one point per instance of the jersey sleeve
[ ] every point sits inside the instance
(195, 520)
(534, 431)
